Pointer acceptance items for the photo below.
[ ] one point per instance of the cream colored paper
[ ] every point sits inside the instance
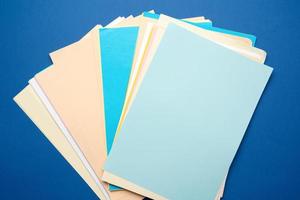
(76, 95)
(72, 89)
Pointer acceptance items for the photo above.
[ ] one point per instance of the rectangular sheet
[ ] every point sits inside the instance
(113, 97)
(117, 52)
(212, 128)
(129, 95)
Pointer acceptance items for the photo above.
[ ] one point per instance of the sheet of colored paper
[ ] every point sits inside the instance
(117, 52)
(261, 60)
(111, 137)
(72, 94)
(142, 71)
(232, 78)
(116, 60)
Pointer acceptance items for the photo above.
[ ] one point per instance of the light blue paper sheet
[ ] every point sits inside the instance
(117, 52)
(188, 118)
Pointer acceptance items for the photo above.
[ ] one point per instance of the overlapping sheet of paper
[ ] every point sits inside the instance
(150, 106)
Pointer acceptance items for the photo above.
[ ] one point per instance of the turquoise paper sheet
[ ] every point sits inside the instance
(117, 52)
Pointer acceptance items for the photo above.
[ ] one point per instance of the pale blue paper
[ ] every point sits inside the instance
(117, 52)
(188, 118)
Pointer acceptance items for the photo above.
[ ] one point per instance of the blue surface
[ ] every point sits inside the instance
(117, 53)
(267, 165)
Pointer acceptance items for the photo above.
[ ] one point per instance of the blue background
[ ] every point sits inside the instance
(267, 165)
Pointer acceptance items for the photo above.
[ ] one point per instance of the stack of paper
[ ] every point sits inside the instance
(150, 106)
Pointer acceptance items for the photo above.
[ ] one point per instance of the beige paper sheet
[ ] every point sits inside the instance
(74, 90)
